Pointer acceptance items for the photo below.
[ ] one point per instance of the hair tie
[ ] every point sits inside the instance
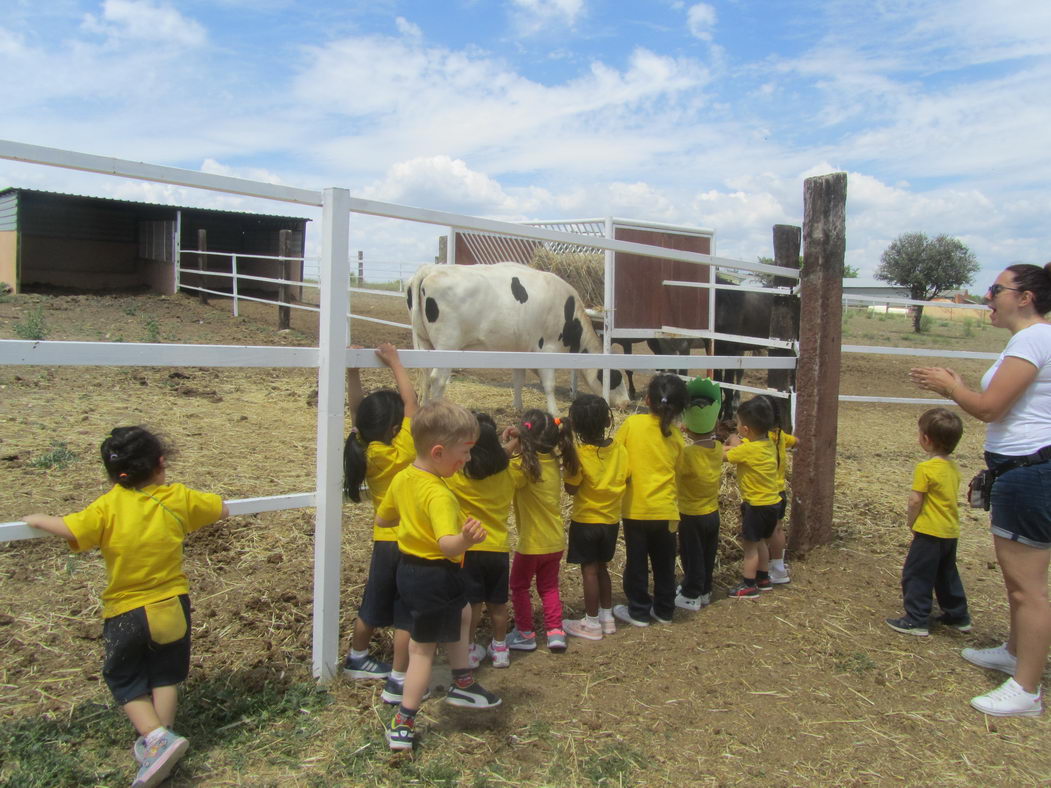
(122, 476)
(113, 456)
(527, 424)
(558, 421)
(664, 400)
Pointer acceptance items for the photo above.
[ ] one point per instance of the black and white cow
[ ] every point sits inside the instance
(503, 307)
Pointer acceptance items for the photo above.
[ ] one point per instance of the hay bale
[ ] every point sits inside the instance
(585, 271)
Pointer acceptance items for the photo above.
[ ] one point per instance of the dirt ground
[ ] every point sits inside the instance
(805, 686)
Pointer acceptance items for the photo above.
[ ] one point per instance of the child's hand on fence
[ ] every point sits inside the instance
(473, 531)
(388, 354)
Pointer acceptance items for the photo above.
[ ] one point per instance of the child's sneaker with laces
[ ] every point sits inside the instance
(996, 658)
(393, 691)
(609, 625)
(743, 591)
(500, 655)
(401, 732)
(764, 584)
(907, 627)
(475, 655)
(624, 614)
(474, 696)
(688, 603)
(367, 667)
(580, 628)
(556, 640)
(159, 758)
(138, 749)
(779, 576)
(1009, 700)
(521, 641)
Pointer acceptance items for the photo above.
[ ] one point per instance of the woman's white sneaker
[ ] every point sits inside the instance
(996, 658)
(1009, 700)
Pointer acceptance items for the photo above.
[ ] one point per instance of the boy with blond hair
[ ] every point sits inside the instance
(432, 538)
(934, 519)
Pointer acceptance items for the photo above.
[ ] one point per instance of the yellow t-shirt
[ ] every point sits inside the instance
(756, 463)
(140, 533)
(488, 500)
(700, 473)
(426, 510)
(787, 441)
(538, 509)
(939, 479)
(651, 493)
(383, 461)
(600, 482)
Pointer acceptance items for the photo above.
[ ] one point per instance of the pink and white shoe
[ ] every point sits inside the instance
(580, 628)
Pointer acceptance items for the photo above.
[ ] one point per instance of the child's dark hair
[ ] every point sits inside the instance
(775, 409)
(487, 455)
(590, 418)
(943, 429)
(132, 456)
(668, 398)
(757, 415)
(378, 417)
(541, 433)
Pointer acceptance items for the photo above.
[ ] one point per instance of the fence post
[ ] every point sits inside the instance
(332, 359)
(361, 268)
(784, 315)
(202, 246)
(233, 280)
(284, 313)
(820, 337)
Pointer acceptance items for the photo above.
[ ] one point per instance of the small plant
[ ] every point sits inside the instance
(153, 330)
(5, 292)
(968, 327)
(858, 662)
(58, 457)
(926, 323)
(32, 325)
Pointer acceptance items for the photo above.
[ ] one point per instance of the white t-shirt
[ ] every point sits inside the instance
(1027, 426)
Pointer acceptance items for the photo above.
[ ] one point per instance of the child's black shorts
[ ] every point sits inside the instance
(485, 576)
(433, 594)
(379, 606)
(135, 661)
(758, 522)
(591, 543)
(782, 507)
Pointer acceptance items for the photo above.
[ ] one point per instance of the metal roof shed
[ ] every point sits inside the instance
(94, 243)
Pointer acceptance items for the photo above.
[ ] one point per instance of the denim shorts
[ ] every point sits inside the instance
(1021, 502)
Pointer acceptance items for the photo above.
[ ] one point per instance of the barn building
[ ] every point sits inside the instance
(49, 239)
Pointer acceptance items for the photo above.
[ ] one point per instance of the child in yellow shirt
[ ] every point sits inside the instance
(755, 458)
(432, 538)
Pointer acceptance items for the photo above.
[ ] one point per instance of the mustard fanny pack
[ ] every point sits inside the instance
(166, 620)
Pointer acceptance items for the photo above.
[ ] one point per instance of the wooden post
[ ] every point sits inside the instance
(820, 337)
(284, 313)
(361, 268)
(443, 249)
(202, 281)
(784, 316)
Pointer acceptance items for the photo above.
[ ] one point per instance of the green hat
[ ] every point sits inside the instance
(706, 399)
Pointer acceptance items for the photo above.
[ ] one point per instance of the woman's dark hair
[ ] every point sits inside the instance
(541, 433)
(757, 415)
(487, 455)
(590, 417)
(668, 399)
(378, 418)
(1037, 281)
(132, 456)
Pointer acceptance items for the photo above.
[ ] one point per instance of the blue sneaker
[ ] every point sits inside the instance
(401, 732)
(394, 689)
(159, 759)
(366, 667)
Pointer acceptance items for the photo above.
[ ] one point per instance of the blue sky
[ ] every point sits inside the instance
(706, 114)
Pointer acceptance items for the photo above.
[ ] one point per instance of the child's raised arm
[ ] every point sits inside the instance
(355, 394)
(53, 525)
(388, 354)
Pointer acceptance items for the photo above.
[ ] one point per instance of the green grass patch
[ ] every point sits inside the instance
(32, 325)
(58, 457)
(613, 765)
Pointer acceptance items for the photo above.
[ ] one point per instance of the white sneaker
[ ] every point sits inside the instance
(996, 658)
(779, 576)
(609, 625)
(688, 603)
(582, 629)
(1009, 700)
(501, 655)
(475, 655)
(622, 612)
(705, 599)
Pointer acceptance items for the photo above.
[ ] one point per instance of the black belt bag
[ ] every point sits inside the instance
(979, 491)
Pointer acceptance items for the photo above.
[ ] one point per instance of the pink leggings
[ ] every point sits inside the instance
(545, 568)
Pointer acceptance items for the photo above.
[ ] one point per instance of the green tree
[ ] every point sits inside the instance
(927, 267)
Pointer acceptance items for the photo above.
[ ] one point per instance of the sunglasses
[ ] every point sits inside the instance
(995, 290)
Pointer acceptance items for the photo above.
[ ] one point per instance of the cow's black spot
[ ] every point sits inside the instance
(518, 291)
(572, 331)
(431, 310)
(614, 377)
(540, 343)
(408, 298)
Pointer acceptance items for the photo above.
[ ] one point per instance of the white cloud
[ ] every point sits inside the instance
(441, 180)
(144, 20)
(700, 19)
(407, 28)
(532, 16)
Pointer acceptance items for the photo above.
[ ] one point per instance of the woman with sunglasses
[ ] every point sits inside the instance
(1015, 401)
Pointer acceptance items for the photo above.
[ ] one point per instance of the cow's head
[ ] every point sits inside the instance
(618, 388)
